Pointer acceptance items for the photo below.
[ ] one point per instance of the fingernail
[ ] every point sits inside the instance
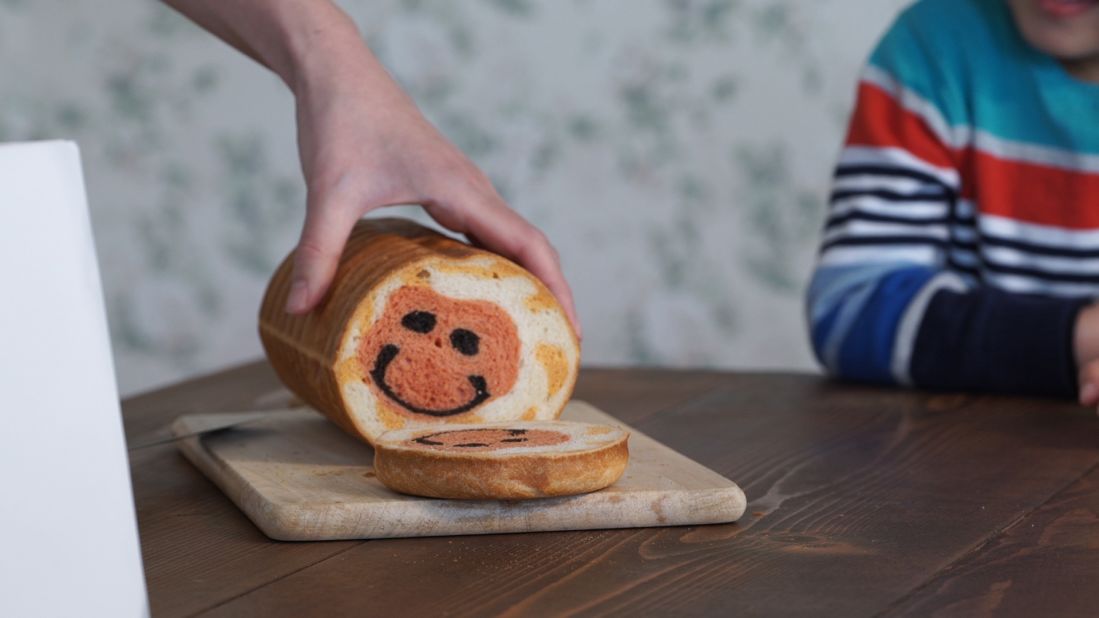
(298, 297)
(1088, 393)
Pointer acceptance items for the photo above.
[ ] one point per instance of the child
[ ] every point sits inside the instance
(961, 249)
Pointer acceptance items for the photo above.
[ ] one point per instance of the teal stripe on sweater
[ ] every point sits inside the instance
(943, 49)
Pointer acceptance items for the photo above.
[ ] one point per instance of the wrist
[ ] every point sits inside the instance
(324, 57)
(308, 48)
(340, 66)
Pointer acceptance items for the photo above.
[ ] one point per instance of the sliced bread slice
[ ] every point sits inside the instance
(502, 461)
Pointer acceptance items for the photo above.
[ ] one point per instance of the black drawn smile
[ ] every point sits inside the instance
(386, 356)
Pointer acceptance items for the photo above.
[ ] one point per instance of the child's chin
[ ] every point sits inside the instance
(1065, 49)
(1065, 29)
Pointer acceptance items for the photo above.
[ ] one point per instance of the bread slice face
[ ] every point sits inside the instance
(502, 461)
(420, 330)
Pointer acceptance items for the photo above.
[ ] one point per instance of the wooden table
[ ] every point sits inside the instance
(862, 501)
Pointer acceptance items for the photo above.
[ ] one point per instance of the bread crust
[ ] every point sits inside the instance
(489, 476)
(304, 350)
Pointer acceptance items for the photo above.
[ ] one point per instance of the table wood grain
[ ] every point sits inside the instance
(862, 501)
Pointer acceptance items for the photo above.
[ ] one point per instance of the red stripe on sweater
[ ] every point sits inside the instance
(880, 121)
(1028, 192)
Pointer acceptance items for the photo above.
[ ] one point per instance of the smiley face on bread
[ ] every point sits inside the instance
(438, 356)
(489, 439)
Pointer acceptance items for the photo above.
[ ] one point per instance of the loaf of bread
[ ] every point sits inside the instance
(502, 461)
(420, 330)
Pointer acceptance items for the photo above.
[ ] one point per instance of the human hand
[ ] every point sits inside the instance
(364, 145)
(1089, 384)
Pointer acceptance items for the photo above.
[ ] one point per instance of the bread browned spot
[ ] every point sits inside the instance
(390, 418)
(499, 268)
(553, 360)
(541, 300)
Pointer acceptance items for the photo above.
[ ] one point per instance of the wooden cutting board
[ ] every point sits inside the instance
(299, 478)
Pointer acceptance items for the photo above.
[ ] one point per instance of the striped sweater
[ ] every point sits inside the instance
(963, 231)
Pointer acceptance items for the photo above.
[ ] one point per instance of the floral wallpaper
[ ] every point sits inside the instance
(677, 152)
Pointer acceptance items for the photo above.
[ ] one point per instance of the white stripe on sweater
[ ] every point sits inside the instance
(874, 254)
(1038, 234)
(878, 206)
(869, 229)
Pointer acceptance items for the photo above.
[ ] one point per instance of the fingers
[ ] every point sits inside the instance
(1089, 384)
(1089, 394)
(498, 228)
(328, 223)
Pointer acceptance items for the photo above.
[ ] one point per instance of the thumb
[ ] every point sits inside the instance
(1089, 384)
(504, 231)
(1089, 394)
(328, 223)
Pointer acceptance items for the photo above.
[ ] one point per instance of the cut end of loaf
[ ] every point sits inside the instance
(419, 330)
(456, 341)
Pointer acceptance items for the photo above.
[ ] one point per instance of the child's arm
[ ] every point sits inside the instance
(890, 300)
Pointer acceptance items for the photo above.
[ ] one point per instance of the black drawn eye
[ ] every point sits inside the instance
(419, 321)
(465, 341)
